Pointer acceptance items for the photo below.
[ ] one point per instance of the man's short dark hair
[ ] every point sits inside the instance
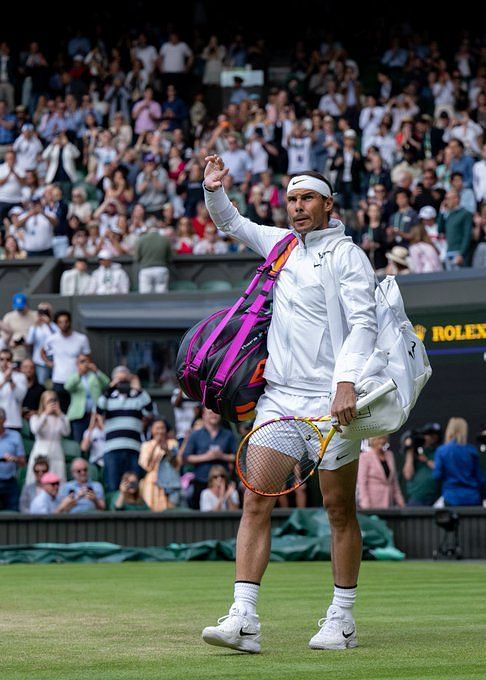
(402, 190)
(63, 312)
(457, 174)
(7, 351)
(316, 175)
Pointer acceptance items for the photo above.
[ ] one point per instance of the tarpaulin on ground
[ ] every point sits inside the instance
(305, 536)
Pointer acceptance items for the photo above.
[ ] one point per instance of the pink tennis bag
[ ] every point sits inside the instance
(221, 359)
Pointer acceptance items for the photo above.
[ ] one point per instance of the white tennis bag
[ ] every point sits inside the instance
(399, 355)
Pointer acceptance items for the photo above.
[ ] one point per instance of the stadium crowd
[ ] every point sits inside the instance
(102, 150)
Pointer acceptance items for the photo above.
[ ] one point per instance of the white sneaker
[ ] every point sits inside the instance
(336, 631)
(238, 630)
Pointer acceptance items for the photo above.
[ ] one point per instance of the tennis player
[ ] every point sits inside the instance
(299, 373)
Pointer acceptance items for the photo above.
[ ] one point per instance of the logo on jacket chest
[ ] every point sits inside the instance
(318, 264)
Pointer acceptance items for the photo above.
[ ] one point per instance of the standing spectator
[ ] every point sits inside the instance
(468, 132)
(403, 219)
(206, 446)
(466, 196)
(348, 163)
(237, 161)
(117, 97)
(213, 55)
(28, 148)
(457, 466)
(93, 441)
(48, 426)
(153, 255)
(85, 387)
(146, 113)
(128, 498)
(421, 486)
(479, 177)
(13, 388)
(299, 147)
(12, 456)
(7, 76)
(39, 332)
(456, 223)
(158, 457)
(123, 408)
(377, 477)
(87, 494)
(146, 53)
(428, 217)
(175, 61)
(151, 185)
(369, 121)
(19, 320)
(76, 281)
(36, 230)
(12, 179)
(30, 491)
(61, 155)
(79, 206)
(30, 404)
(460, 162)
(60, 352)
(46, 502)
(109, 278)
(174, 110)
(221, 494)
(184, 413)
(7, 128)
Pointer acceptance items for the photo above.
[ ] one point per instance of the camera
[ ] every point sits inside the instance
(481, 441)
(132, 486)
(19, 341)
(414, 439)
(123, 386)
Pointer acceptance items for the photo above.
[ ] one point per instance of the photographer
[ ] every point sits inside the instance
(420, 447)
(38, 334)
(36, 230)
(128, 497)
(19, 322)
(13, 388)
(88, 496)
(123, 432)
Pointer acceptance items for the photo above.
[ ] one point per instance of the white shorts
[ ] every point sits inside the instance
(274, 404)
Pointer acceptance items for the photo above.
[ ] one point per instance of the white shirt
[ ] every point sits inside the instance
(468, 135)
(443, 93)
(37, 233)
(103, 155)
(299, 150)
(11, 191)
(184, 414)
(37, 337)
(238, 163)
(148, 57)
(11, 398)
(331, 104)
(64, 350)
(258, 157)
(27, 151)
(174, 57)
(300, 353)
(74, 282)
(43, 504)
(209, 501)
(479, 180)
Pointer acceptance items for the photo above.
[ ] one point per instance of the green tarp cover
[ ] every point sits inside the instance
(305, 536)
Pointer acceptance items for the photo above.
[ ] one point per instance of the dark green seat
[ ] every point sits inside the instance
(216, 284)
(71, 450)
(25, 432)
(182, 285)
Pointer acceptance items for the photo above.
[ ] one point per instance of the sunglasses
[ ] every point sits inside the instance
(217, 476)
(53, 483)
(81, 470)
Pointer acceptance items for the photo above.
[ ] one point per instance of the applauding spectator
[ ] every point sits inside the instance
(13, 388)
(220, 494)
(161, 485)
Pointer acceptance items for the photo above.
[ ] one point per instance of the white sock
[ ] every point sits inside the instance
(246, 594)
(345, 599)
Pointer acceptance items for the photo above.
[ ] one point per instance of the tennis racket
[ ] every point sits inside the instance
(278, 456)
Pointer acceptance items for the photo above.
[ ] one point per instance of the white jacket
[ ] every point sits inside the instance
(69, 155)
(300, 353)
(109, 281)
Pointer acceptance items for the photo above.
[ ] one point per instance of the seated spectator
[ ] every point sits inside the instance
(423, 257)
(77, 280)
(93, 441)
(85, 387)
(211, 244)
(30, 404)
(220, 494)
(377, 477)
(151, 185)
(457, 466)
(428, 217)
(201, 219)
(46, 502)
(403, 220)
(12, 456)
(158, 457)
(128, 497)
(110, 278)
(479, 237)
(79, 244)
(153, 255)
(88, 496)
(185, 237)
(37, 336)
(11, 250)
(30, 491)
(48, 426)
(206, 446)
(456, 223)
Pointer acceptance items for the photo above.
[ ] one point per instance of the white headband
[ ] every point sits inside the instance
(308, 182)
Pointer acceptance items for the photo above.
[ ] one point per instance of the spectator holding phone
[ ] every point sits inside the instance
(49, 425)
(13, 388)
(88, 496)
(47, 502)
(128, 497)
(85, 387)
(19, 320)
(38, 334)
(30, 404)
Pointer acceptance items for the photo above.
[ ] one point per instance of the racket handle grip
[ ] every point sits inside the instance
(374, 395)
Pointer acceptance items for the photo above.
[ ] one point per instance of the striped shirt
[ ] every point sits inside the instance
(123, 415)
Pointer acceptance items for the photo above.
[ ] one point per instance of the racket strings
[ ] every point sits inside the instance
(279, 455)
